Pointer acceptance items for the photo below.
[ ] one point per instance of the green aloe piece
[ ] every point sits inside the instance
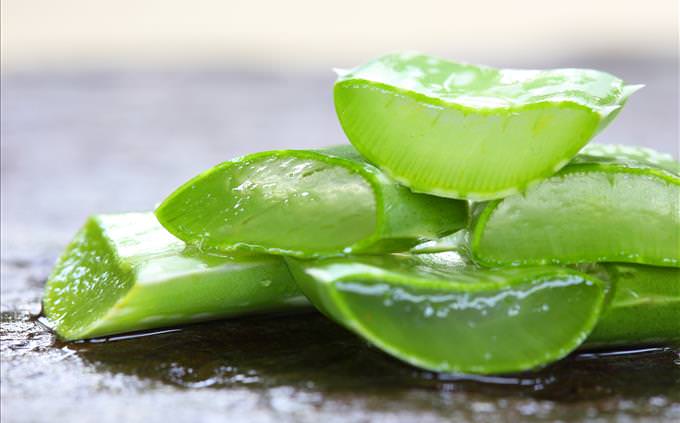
(631, 155)
(125, 273)
(465, 131)
(306, 204)
(644, 308)
(599, 208)
(438, 313)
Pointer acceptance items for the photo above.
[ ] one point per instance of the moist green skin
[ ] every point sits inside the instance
(438, 313)
(125, 273)
(305, 204)
(472, 132)
(644, 308)
(597, 209)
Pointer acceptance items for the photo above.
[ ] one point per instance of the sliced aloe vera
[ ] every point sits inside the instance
(436, 312)
(125, 273)
(464, 131)
(597, 209)
(631, 155)
(305, 203)
(644, 308)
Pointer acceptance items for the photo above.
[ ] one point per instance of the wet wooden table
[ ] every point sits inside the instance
(75, 144)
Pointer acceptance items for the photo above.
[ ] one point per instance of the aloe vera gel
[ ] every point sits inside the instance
(468, 227)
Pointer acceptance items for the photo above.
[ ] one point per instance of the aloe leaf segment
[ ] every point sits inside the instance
(598, 209)
(305, 204)
(464, 131)
(644, 308)
(125, 273)
(438, 313)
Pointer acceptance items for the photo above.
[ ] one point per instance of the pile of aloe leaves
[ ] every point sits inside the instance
(468, 227)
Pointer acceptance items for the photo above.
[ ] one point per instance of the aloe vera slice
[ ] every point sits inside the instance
(125, 273)
(631, 155)
(597, 209)
(305, 203)
(436, 312)
(644, 308)
(464, 131)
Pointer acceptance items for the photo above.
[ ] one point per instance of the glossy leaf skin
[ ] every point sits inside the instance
(305, 204)
(437, 313)
(125, 273)
(644, 308)
(597, 209)
(473, 132)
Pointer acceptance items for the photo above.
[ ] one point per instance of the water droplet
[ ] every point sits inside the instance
(429, 311)
(265, 282)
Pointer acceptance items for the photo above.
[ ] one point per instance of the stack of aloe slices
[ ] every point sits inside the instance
(466, 229)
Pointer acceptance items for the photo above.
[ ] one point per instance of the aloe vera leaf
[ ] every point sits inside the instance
(465, 131)
(438, 313)
(125, 273)
(632, 155)
(306, 204)
(642, 305)
(644, 308)
(597, 209)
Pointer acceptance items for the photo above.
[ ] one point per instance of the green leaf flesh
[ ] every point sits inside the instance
(125, 273)
(472, 132)
(438, 313)
(644, 308)
(597, 209)
(305, 204)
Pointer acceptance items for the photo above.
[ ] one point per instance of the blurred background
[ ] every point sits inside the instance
(107, 106)
(314, 35)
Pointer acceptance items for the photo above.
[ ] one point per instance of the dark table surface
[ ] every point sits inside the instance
(79, 143)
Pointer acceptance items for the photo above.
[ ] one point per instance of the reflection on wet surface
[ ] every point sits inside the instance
(307, 351)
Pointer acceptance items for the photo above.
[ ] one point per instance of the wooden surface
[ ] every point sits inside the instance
(74, 144)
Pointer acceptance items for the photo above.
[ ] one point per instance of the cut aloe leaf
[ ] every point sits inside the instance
(125, 273)
(631, 155)
(305, 203)
(436, 312)
(464, 131)
(597, 209)
(644, 308)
